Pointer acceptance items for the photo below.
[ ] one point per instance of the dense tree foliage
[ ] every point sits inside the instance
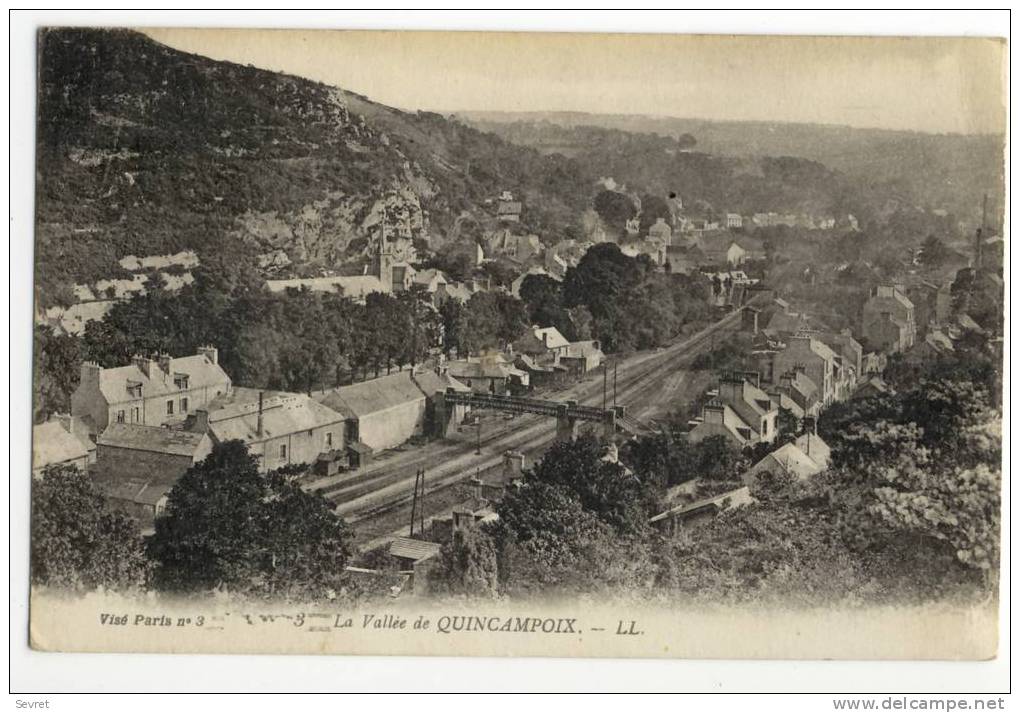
(229, 527)
(633, 305)
(77, 543)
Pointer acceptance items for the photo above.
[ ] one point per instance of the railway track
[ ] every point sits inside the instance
(388, 487)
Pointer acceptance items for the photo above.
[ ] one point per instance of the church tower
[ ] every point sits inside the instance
(384, 260)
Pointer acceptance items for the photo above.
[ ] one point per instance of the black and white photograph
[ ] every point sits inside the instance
(517, 343)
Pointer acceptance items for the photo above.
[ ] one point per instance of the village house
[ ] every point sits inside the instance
(933, 303)
(742, 412)
(356, 287)
(486, 376)
(381, 413)
(817, 360)
(888, 320)
(61, 441)
(581, 358)
(935, 344)
(799, 460)
(660, 232)
(279, 428)
(733, 220)
(137, 466)
(873, 386)
(429, 280)
(150, 392)
(520, 248)
(543, 344)
(795, 392)
(698, 512)
(508, 211)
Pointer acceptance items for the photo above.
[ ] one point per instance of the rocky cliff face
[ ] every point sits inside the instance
(143, 149)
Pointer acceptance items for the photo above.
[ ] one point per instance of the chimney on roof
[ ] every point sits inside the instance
(65, 421)
(258, 427)
(211, 353)
(201, 423)
(90, 372)
(164, 362)
(144, 364)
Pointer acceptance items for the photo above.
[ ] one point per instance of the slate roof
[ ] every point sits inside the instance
(737, 497)
(200, 370)
(477, 370)
(282, 414)
(509, 208)
(374, 395)
(53, 444)
(430, 382)
(815, 448)
(555, 339)
(353, 286)
(792, 460)
(151, 438)
(144, 490)
(580, 350)
(415, 550)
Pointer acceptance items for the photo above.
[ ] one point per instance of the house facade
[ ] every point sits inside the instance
(817, 361)
(137, 466)
(888, 320)
(55, 443)
(279, 428)
(148, 392)
(742, 412)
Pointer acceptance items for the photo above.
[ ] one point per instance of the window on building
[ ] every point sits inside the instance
(329, 439)
(283, 452)
(184, 404)
(136, 415)
(120, 417)
(181, 381)
(169, 408)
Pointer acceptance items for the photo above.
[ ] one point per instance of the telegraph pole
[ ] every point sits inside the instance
(615, 364)
(605, 380)
(414, 502)
(478, 437)
(421, 506)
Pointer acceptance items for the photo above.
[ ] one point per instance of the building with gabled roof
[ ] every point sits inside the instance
(357, 287)
(137, 465)
(742, 412)
(792, 461)
(888, 320)
(697, 512)
(54, 443)
(816, 359)
(279, 428)
(795, 392)
(148, 392)
(582, 357)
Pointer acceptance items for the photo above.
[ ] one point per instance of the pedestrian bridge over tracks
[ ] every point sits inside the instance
(568, 414)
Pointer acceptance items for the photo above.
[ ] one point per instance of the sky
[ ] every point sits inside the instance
(921, 84)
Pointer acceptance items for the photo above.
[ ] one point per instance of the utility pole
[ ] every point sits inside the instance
(414, 502)
(421, 506)
(605, 380)
(478, 437)
(418, 502)
(615, 364)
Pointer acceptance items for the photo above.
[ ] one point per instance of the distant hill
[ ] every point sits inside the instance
(143, 149)
(933, 171)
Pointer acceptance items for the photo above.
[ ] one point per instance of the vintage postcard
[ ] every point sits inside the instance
(528, 344)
